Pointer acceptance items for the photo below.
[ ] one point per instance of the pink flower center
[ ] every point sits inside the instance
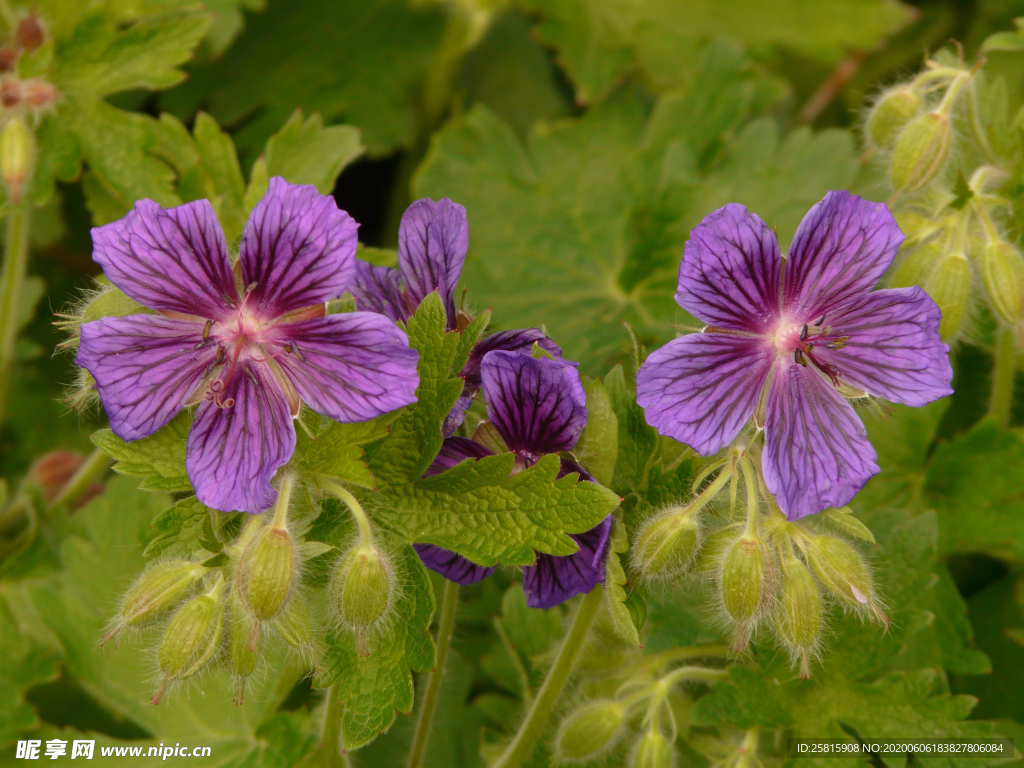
(800, 341)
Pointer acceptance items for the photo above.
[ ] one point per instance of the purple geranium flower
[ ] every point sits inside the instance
(538, 406)
(247, 346)
(788, 341)
(432, 242)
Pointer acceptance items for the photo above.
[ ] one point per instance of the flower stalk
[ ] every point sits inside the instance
(11, 289)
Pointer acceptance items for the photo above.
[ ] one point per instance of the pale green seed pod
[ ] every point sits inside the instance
(652, 750)
(589, 731)
(161, 588)
(842, 570)
(363, 587)
(915, 267)
(192, 637)
(798, 617)
(949, 285)
(1003, 268)
(667, 545)
(267, 572)
(891, 114)
(921, 151)
(17, 153)
(242, 642)
(744, 578)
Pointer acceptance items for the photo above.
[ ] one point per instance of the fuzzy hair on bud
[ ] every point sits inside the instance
(713, 549)
(949, 285)
(921, 151)
(363, 588)
(799, 612)
(652, 750)
(191, 639)
(916, 266)
(746, 575)
(17, 154)
(590, 731)
(268, 571)
(294, 625)
(159, 589)
(668, 543)
(891, 112)
(1003, 268)
(845, 574)
(243, 639)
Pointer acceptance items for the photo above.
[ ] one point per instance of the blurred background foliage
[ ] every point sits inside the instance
(585, 138)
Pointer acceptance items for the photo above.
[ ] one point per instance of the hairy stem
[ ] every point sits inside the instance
(92, 470)
(531, 728)
(11, 289)
(284, 497)
(1002, 375)
(365, 531)
(449, 603)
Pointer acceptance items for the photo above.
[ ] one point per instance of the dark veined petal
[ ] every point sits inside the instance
(173, 260)
(816, 451)
(537, 405)
(456, 415)
(568, 466)
(350, 367)
(841, 248)
(378, 289)
(298, 249)
(145, 367)
(894, 350)
(233, 452)
(553, 580)
(520, 340)
(432, 243)
(702, 388)
(450, 565)
(729, 275)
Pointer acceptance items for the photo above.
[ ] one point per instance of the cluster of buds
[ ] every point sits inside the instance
(766, 570)
(640, 721)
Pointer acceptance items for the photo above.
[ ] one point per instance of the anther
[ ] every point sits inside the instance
(803, 333)
(820, 322)
(798, 356)
(206, 330)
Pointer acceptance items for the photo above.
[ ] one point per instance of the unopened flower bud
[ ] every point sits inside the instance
(949, 285)
(798, 621)
(589, 731)
(743, 578)
(242, 638)
(29, 33)
(160, 588)
(51, 472)
(844, 573)
(363, 587)
(921, 151)
(191, 638)
(1003, 268)
(667, 544)
(653, 750)
(890, 114)
(295, 625)
(268, 571)
(915, 267)
(713, 550)
(17, 153)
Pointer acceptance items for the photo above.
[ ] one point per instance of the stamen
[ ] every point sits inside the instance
(295, 351)
(803, 333)
(206, 330)
(798, 355)
(229, 301)
(820, 322)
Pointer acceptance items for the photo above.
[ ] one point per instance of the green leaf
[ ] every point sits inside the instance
(178, 529)
(337, 450)
(637, 440)
(598, 446)
(482, 511)
(159, 459)
(371, 686)
(366, 71)
(304, 152)
(615, 587)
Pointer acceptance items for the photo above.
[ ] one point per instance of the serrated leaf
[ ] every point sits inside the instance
(637, 441)
(337, 451)
(598, 446)
(159, 458)
(615, 587)
(484, 512)
(371, 687)
(176, 531)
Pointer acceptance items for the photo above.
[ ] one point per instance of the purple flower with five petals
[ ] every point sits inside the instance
(433, 238)
(248, 345)
(788, 341)
(538, 407)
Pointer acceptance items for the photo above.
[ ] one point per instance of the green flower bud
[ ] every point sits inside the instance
(268, 571)
(890, 114)
(949, 285)
(589, 731)
(667, 544)
(17, 153)
(921, 151)
(192, 638)
(242, 638)
(1003, 268)
(363, 587)
(294, 625)
(160, 588)
(798, 620)
(915, 267)
(844, 573)
(713, 550)
(743, 578)
(653, 750)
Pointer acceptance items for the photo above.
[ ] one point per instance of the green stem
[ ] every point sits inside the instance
(333, 755)
(530, 730)
(1002, 375)
(365, 531)
(91, 471)
(449, 603)
(11, 289)
(284, 497)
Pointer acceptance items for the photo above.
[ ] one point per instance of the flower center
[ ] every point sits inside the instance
(800, 341)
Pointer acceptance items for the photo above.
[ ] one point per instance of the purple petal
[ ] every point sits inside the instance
(816, 451)
(377, 289)
(145, 367)
(841, 248)
(298, 249)
(553, 580)
(521, 340)
(233, 452)
(537, 405)
(894, 350)
(456, 415)
(455, 450)
(452, 566)
(173, 260)
(350, 367)
(568, 466)
(729, 275)
(432, 243)
(702, 388)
